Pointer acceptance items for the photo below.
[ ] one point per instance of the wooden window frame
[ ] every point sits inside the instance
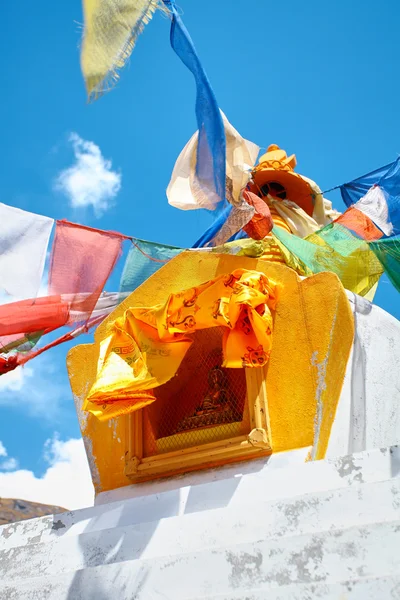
(252, 445)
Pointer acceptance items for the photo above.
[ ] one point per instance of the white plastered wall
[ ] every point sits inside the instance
(368, 413)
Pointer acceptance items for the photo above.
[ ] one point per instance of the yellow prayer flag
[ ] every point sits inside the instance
(110, 33)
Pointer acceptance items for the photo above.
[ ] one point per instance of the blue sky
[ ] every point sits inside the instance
(319, 79)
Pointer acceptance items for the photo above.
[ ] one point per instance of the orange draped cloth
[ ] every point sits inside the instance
(145, 347)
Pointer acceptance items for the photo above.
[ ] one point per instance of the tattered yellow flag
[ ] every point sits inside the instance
(110, 33)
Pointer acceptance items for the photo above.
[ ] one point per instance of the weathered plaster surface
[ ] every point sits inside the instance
(257, 530)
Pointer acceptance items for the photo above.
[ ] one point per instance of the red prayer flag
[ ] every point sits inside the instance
(81, 262)
(360, 223)
(29, 316)
(261, 224)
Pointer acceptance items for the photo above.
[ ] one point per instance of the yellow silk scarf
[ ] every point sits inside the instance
(146, 346)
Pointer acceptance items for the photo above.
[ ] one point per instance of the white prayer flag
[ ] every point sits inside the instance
(184, 191)
(24, 238)
(374, 205)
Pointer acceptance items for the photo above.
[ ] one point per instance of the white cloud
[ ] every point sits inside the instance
(10, 464)
(66, 483)
(90, 181)
(3, 451)
(15, 380)
(39, 389)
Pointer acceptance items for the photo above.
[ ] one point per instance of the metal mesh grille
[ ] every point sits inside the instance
(203, 403)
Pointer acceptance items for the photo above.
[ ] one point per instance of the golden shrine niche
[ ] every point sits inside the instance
(203, 416)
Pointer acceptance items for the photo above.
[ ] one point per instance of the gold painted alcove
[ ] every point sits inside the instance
(313, 333)
(176, 433)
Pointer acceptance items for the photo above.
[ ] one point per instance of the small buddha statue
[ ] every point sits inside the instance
(217, 397)
(218, 407)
